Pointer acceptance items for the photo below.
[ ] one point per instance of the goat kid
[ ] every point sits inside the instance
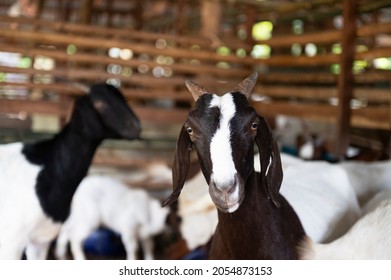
(104, 201)
(255, 221)
(37, 181)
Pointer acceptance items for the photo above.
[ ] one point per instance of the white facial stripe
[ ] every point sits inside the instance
(220, 147)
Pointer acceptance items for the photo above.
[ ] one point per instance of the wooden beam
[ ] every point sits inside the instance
(346, 78)
(94, 42)
(146, 114)
(99, 59)
(367, 117)
(13, 106)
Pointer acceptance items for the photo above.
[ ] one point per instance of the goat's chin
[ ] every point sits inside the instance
(230, 207)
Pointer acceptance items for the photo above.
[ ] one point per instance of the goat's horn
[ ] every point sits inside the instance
(246, 86)
(196, 90)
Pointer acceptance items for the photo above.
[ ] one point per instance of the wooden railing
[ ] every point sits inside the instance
(153, 68)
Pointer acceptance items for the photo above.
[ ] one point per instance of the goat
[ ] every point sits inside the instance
(104, 201)
(38, 180)
(376, 200)
(319, 192)
(197, 212)
(368, 178)
(369, 238)
(323, 198)
(254, 220)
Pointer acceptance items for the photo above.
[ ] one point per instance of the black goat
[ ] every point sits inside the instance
(255, 221)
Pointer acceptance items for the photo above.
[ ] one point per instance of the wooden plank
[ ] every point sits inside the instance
(125, 33)
(371, 117)
(367, 117)
(207, 56)
(138, 48)
(319, 37)
(346, 78)
(161, 116)
(66, 88)
(188, 68)
(29, 107)
(322, 112)
(146, 114)
(318, 93)
(88, 75)
(324, 37)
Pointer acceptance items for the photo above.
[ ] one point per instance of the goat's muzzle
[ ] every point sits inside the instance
(227, 196)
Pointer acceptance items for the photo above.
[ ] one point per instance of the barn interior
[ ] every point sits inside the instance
(324, 78)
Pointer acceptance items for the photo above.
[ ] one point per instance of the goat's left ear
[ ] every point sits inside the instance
(271, 168)
(181, 165)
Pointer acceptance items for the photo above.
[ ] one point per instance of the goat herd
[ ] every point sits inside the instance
(242, 204)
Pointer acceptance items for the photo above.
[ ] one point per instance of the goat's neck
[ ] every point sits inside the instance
(258, 229)
(65, 160)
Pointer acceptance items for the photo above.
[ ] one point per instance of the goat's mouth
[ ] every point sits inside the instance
(229, 207)
(226, 203)
(130, 133)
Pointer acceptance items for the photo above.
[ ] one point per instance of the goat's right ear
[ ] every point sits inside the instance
(181, 165)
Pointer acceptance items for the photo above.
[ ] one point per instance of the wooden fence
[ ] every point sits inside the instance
(151, 68)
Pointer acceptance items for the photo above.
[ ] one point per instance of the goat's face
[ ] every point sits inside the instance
(119, 119)
(223, 130)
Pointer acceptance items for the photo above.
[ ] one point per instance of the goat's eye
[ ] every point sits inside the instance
(189, 130)
(254, 126)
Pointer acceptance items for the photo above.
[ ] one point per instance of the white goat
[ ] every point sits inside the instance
(376, 200)
(369, 238)
(102, 200)
(368, 178)
(197, 211)
(323, 198)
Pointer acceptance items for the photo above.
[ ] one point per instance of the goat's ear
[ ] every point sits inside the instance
(196, 90)
(247, 85)
(271, 168)
(181, 165)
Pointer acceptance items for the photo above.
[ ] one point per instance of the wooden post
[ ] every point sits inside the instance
(346, 79)
(139, 15)
(180, 22)
(251, 14)
(210, 18)
(40, 4)
(109, 8)
(86, 11)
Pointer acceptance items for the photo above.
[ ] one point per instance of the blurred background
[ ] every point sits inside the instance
(324, 74)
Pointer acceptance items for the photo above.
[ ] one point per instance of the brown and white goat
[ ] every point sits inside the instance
(255, 221)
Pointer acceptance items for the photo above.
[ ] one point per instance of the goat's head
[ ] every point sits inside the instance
(116, 118)
(223, 130)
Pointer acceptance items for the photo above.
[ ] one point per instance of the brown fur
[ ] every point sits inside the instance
(258, 229)
(264, 226)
